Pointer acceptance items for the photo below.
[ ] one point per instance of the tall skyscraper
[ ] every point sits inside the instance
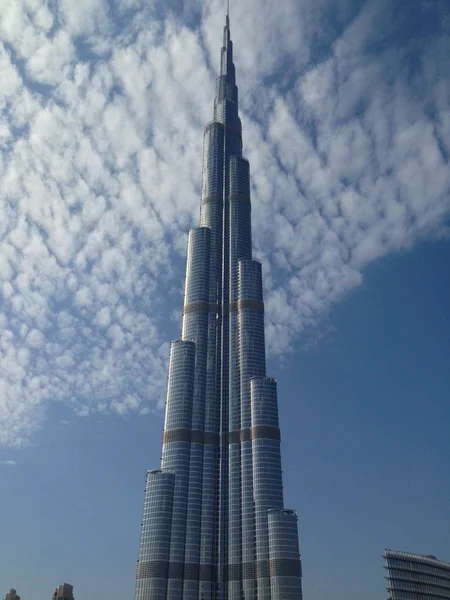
(416, 576)
(12, 595)
(214, 526)
(63, 592)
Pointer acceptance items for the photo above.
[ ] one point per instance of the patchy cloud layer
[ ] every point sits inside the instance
(346, 117)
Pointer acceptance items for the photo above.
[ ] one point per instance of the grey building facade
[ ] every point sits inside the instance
(214, 524)
(63, 592)
(416, 576)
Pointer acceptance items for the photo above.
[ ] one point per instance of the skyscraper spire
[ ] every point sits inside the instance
(228, 16)
(214, 526)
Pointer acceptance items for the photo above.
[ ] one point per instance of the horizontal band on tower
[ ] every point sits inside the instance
(195, 436)
(200, 306)
(285, 567)
(282, 567)
(175, 570)
(262, 569)
(152, 569)
(279, 567)
(239, 198)
(231, 129)
(265, 432)
(212, 198)
(240, 304)
(192, 436)
(248, 570)
(156, 569)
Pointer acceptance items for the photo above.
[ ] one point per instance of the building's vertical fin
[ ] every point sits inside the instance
(176, 452)
(284, 555)
(252, 363)
(154, 549)
(226, 112)
(267, 484)
(240, 247)
(211, 215)
(195, 327)
(199, 324)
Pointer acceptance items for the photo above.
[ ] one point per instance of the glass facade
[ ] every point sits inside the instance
(416, 576)
(214, 526)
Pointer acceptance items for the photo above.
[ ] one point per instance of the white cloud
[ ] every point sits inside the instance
(8, 463)
(101, 169)
(35, 339)
(50, 63)
(84, 16)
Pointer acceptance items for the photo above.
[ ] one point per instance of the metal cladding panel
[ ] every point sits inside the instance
(196, 317)
(251, 364)
(209, 516)
(225, 90)
(180, 385)
(284, 556)
(195, 328)
(176, 448)
(240, 232)
(234, 464)
(211, 215)
(240, 247)
(198, 266)
(239, 174)
(213, 146)
(252, 359)
(250, 280)
(154, 549)
(264, 401)
(226, 111)
(267, 482)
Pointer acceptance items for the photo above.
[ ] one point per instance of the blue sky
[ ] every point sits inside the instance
(346, 114)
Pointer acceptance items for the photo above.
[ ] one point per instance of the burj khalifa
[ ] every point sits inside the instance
(214, 525)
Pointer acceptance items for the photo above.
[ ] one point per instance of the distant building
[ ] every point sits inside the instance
(63, 592)
(416, 576)
(12, 595)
